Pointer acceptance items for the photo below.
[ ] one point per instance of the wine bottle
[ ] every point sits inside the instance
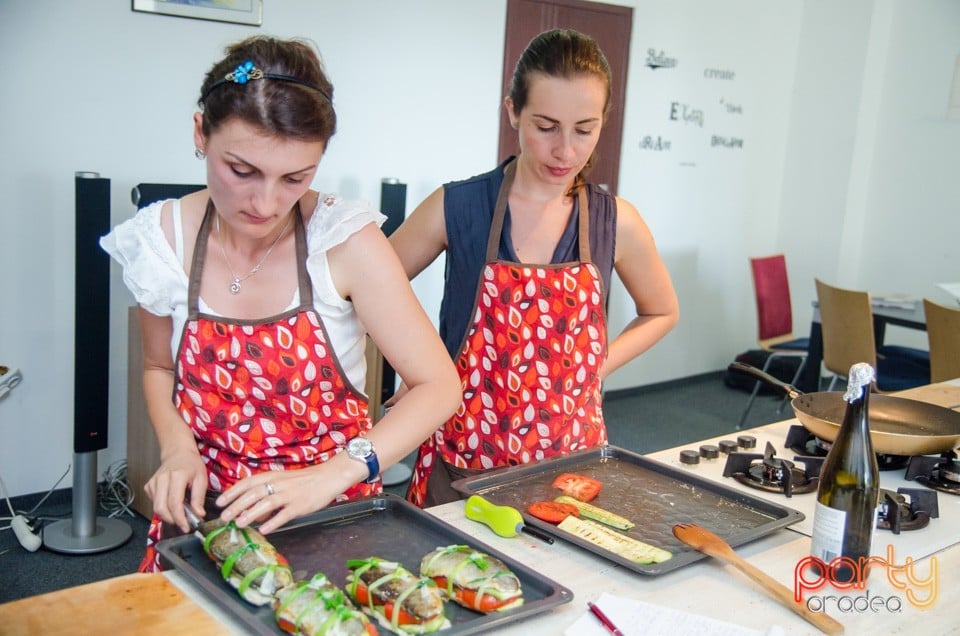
(849, 488)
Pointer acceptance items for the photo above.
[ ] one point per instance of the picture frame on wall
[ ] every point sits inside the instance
(236, 11)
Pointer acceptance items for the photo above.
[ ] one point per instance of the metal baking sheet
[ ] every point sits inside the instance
(653, 495)
(386, 526)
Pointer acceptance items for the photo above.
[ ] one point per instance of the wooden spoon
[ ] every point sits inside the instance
(710, 544)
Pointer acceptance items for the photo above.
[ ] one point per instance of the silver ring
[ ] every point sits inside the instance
(270, 490)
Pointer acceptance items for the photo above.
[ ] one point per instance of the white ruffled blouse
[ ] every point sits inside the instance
(153, 271)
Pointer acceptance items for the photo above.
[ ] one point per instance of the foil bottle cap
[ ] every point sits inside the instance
(861, 375)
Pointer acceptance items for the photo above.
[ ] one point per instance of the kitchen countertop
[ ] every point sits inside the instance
(706, 588)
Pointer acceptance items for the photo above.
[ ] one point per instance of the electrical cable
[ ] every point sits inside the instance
(21, 526)
(49, 492)
(113, 493)
(6, 496)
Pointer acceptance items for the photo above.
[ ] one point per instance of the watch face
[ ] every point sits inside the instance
(359, 447)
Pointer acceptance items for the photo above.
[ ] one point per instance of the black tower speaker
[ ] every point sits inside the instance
(92, 315)
(393, 203)
(86, 533)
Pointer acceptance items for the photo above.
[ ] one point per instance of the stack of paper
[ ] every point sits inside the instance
(894, 301)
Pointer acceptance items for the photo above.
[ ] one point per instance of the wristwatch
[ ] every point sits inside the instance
(361, 449)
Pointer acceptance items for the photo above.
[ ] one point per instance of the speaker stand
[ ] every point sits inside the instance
(85, 532)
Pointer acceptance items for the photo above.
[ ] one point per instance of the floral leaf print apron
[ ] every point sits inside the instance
(529, 367)
(261, 395)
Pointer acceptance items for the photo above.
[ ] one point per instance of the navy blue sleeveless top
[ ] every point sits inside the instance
(468, 213)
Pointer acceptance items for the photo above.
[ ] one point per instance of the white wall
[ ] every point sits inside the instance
(846, 155)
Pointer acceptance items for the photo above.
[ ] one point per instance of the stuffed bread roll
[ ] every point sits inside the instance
(473, 579)
(319, 608)
(397, 598)
(247, 561)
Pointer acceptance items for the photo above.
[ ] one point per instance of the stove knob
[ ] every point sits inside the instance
(747, 441)
(728, 446)
(689, 457)
(709, 451)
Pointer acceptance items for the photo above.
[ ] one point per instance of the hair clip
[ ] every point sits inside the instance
(244, 73)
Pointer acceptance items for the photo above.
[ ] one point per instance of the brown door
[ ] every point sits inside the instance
(610, 25)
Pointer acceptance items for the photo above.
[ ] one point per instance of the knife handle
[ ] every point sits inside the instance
(192, 518)
(536, 532)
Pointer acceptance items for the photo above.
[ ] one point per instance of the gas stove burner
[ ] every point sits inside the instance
(773, 474)
(896, 514)
(939, 473)
(802, 441)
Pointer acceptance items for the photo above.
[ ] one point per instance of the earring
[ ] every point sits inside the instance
(199, 154)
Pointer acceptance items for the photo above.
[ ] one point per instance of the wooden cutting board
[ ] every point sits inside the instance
(131, 604)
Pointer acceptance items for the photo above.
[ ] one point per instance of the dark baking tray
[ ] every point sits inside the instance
(653, 495)
(386, 526)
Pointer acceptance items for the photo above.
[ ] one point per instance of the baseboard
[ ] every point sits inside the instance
(657, 386)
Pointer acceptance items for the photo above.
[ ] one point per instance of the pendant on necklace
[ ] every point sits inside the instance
(235, 286)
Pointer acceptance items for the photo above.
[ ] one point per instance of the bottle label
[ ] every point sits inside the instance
(829, 525)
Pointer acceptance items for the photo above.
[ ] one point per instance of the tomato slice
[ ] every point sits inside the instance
(552, 511)
(468, 598)
(363, 598)
(577, 486)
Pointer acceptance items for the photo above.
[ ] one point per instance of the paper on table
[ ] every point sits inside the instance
(895, 301)
(636, 618)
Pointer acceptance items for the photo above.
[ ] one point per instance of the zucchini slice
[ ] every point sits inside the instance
(620, 544)
(597, 514)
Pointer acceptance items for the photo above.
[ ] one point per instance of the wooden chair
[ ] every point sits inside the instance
(846, 318)
(943, 333)
(771, 289)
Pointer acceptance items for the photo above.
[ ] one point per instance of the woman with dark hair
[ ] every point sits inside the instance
(255, 297)
(531, 247)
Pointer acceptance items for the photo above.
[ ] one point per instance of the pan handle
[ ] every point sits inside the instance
(785, 388)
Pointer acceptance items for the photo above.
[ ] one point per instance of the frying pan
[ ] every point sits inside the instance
(898, 426)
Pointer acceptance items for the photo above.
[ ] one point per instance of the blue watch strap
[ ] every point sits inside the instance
(373, 465)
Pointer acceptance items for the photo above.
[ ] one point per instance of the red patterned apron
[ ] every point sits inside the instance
(529, 364)
(262, 395)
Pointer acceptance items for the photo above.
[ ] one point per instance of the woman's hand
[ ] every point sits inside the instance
(276, 497)
(179, 472)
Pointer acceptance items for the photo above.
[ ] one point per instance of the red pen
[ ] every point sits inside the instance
(607, 623)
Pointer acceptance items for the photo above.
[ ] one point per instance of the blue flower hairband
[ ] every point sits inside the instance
(248, 71)
(243, 73)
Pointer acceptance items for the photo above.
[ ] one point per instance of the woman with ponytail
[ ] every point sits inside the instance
(530, 249)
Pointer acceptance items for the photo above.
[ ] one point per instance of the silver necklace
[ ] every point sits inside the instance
(235, 285)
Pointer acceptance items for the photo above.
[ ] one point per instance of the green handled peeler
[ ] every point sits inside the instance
(503, 520)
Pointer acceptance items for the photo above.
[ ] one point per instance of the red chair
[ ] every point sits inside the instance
(774, 319)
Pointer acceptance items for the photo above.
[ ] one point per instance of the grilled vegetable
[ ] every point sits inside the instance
(396, 597)
(247, 561)
(552, 511)
(597, 514)
(620, 544)
(473, 579)
(577, 486)
(319, 608)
